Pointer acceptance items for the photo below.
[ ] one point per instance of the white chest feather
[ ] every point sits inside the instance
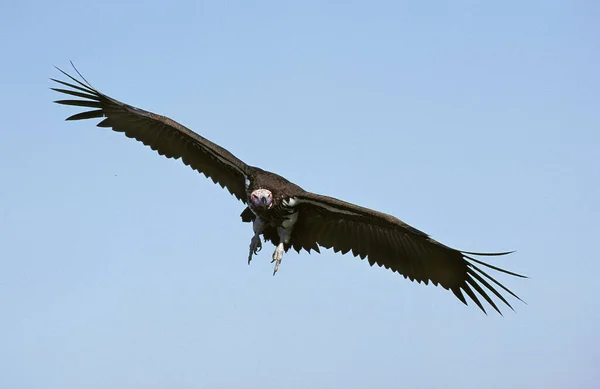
(289, 221)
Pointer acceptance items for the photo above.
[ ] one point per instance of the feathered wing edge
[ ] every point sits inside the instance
(345, 227)
(162, 134)
(476, 277)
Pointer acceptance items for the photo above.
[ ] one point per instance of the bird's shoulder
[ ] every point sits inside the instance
(278, 185)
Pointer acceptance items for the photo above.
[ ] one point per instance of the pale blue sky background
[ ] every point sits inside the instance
(478, 124)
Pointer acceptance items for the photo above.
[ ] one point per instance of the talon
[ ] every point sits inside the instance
(255, 246)
(277, 256)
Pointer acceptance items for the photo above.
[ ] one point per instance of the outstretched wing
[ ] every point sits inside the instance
(162, 134)
(389, 242)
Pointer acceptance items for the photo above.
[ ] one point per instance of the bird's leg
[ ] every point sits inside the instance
(278, 256)
(255, 246)
(258, 225)
(284, 237)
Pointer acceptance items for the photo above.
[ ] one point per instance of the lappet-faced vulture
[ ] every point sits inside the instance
(290, 217)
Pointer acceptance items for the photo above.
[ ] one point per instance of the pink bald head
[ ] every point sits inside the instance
(261, 198)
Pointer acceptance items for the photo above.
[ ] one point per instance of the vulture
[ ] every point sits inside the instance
(290, 217)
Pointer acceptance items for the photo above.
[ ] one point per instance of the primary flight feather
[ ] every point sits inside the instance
(290, 217)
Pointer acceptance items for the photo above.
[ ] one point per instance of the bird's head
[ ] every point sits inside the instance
(261, 199)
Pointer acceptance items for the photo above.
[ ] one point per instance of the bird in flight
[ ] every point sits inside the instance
(290, 217)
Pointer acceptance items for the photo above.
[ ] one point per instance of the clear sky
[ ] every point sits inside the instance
(476, 123)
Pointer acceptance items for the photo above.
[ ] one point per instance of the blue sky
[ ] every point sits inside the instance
(477, 123)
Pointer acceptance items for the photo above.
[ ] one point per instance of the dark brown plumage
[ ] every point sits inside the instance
(288, 216)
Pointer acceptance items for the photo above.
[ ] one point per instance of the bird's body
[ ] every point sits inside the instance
(290, 217)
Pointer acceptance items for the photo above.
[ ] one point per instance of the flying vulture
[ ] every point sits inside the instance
(290, 217)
